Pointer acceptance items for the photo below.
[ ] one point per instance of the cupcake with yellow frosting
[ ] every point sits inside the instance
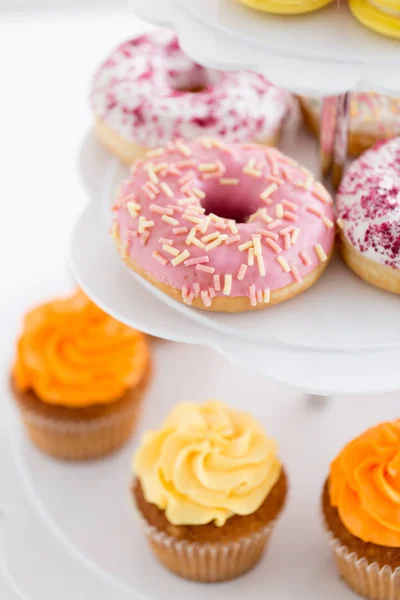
(286, 7)
(78, 378)
(209, 486)
(361, 508)
(383, 16)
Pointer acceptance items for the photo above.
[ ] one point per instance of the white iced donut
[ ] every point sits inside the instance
(148, 92)
(368, 206)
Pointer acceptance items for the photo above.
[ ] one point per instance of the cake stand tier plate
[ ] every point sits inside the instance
(322, 53)
(88, 544)
(340, 336)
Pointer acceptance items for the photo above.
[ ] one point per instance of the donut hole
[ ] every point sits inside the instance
(228, 207)
(195, 80)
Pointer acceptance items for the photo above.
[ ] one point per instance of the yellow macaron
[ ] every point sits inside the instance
(286, 7)
(382, 16)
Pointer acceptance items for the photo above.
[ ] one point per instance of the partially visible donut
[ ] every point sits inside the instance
(224, 227)
(372, 118)
(149, 92)
(368, 204)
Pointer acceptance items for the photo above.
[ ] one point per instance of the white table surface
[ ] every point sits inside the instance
(46, 61)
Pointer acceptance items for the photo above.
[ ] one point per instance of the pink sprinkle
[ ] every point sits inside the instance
(252, 294)
(187, 163)
(275, 247)
(287, 241)
(185, 292)
(232, 239)
(148, 193)
(287, 229)
(212, 293)
(212, 175)
(274, 179)
(289, 215)
(173, 170)
(206, 298)
(268, 234)
(196, 261)
(152, 187)
(296, 275)
(274, 224)
(186, 178)
(160, 210)
(271, 162)
(196, 287)
(179, 230)
(290, 205)
(241, 272)
(204, 268)
(304, 258)
(217, 283)
(189, 299)
(286, 173)
(314, 211)
(259, 296)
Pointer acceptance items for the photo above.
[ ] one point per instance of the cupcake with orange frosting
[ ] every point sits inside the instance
(78, 378)
(361, 508)
(209, 486)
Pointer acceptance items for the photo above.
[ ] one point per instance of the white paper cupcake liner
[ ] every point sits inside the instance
(80, 440)
(367, 579)
(207, 562)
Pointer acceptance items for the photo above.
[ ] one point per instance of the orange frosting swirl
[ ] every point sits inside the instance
(364, 485)
(73, 354)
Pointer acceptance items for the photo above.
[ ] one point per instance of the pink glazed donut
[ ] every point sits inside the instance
(149, 92)
(224, 227)
(368, 204)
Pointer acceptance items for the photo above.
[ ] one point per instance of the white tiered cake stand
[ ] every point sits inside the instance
(343, 335)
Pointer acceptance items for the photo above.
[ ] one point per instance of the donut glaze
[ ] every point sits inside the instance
(368, 204)
(141, 93)
(212, 220)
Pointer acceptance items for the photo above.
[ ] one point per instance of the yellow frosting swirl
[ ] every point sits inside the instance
(71, 353)
(364, 485)
(207, 463)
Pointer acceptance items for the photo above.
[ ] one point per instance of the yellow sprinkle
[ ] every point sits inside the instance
(150, 170)
(250, 257)
(170, 220)
(268, 191)
(192, 219)
(245, 246)
(295, 235)
(155, 152)
(252, 172)
(115, 234)
(210, 237)
(192, 239)
(227, 284)
(232, 227)
(133, 208)
(265, 216)
(229, 181)
(184, 149)
(320, 253)
(251, 163)
(180, 258)
(266, 295)
(160, 167)
(279, 211)
(199, 193)
(214, 244)
(261, 267)
(207, 167)
(170, 250)
(309, 182)
(340, 223)
(166, 189)
(327, 222)
(283, 264)
(257, 247)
